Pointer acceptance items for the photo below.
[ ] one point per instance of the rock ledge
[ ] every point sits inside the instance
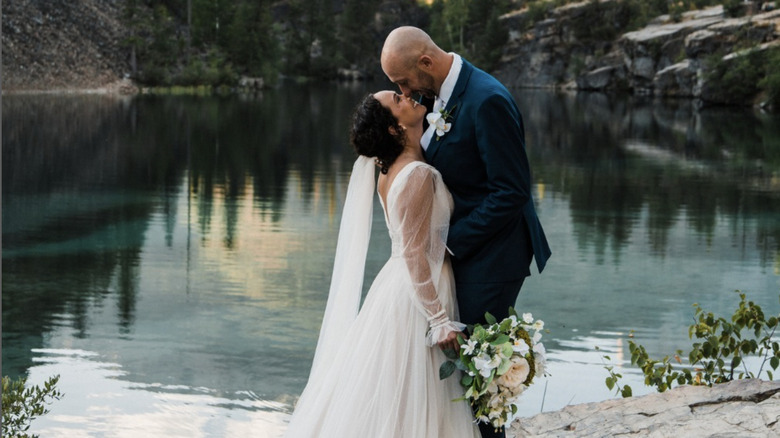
(741, 408)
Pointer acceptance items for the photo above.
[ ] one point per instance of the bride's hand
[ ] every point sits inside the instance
(450, 342)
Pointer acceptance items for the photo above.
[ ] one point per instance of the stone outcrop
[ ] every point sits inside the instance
(665, 58)
(691, 41)
(553, 53)
(63, 44)
(658, 45)
(742, 408)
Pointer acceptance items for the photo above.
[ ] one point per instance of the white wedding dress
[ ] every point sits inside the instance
(375, 373)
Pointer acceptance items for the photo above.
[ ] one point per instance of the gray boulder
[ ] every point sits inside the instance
(741, 408)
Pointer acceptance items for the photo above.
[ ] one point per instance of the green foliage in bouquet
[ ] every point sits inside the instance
(498, 362)
(718, 356)
(21, 405)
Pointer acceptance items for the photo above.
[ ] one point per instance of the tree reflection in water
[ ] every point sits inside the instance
(207, 225)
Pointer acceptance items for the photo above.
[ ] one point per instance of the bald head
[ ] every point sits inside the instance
(405, 44)
(411, 60)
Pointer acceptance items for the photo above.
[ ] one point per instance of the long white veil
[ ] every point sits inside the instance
(346, 285)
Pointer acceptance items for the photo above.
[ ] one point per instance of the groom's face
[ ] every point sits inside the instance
(424, 84)
(411, 80)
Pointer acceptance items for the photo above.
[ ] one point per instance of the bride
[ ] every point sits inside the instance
(375, 372)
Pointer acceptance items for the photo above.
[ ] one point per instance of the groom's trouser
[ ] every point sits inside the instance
(474, 299)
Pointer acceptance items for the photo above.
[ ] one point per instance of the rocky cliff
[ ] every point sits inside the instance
(665, 58)
(78, 44)
(62, 44)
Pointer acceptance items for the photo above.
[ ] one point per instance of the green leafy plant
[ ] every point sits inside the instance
(613, 380)
(733, 8)
(717, 356)
(771, 82)
(734, 79)
(22, 404)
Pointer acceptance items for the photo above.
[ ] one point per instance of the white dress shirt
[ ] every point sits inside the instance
(444, 95)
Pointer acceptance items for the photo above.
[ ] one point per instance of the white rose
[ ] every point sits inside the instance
(516, 374)
(528, 318)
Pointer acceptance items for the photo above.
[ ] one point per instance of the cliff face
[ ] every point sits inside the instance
(78, 44)
(665, 58)
(62, 44)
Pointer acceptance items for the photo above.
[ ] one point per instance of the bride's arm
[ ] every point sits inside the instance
(415, 207)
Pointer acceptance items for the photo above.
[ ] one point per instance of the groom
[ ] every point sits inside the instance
(494, 231)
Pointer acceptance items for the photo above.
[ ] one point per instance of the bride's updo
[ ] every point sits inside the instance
(371, 134)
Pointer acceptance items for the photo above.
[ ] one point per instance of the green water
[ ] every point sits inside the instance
(169, 257)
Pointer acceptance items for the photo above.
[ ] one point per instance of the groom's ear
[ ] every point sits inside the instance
(425, 62)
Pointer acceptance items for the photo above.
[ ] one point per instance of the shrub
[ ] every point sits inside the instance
(771, 82)
(733, 8)
(734, 80)
(537, 11)
(717, 357)
(21, 405)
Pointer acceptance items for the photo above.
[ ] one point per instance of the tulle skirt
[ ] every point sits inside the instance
(385, 380)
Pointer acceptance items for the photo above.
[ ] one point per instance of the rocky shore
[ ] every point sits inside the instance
(747, 408)
(665, 58)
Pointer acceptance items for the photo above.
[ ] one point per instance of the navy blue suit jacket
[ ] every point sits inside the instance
(494, 231)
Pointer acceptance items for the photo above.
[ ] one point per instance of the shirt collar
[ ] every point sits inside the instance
(452, 78)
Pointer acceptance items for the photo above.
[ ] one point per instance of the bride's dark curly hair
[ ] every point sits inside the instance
(371, 135)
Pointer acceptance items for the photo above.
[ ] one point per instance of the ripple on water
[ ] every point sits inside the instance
(99, 402)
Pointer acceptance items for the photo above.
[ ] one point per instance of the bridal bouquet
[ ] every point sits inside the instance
(499, 361)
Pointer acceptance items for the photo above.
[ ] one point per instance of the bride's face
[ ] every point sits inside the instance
(408, 112)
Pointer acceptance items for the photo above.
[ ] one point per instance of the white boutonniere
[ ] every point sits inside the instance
(441, 120)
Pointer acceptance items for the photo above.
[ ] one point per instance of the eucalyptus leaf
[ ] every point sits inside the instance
(506, 349)
(502, 339)
(446, 369)
(450, 353)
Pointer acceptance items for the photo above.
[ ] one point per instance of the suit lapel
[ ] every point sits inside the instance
(454, 104)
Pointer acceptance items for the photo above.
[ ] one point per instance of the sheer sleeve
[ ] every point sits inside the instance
(423, 214)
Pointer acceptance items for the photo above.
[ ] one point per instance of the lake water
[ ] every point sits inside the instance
(169, 257)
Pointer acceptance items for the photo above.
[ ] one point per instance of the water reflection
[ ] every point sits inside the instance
(101, 403)
(613, 157)
(187, 242)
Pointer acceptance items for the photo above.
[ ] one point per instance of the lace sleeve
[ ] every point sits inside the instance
(424, 227)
